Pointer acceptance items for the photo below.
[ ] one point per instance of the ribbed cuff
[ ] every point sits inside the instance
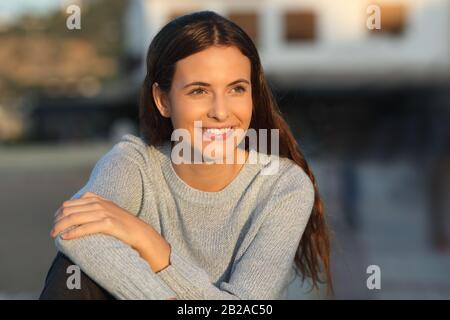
(182, 275)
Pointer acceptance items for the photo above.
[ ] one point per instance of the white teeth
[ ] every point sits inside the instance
(217, 131)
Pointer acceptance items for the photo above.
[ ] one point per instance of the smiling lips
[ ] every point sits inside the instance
(217, 134)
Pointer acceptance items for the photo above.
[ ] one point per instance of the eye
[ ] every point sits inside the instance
(240, 89)
(194, 92)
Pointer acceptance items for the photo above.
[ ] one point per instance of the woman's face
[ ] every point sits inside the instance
(212, 86)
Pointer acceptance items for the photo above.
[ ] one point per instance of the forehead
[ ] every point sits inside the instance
(215, 65)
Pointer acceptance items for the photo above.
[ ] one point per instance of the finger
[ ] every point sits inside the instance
(81, 200)
(75, 202)
(67, 211)
(74, 220)
(58, 211)
(91, 194)
(83, 230)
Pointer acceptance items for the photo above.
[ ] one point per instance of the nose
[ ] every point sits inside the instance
(218, 109)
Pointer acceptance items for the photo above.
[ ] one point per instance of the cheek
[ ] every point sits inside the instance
(244, 110)
(185, 112)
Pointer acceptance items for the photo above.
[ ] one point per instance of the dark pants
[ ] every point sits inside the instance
(55, 287)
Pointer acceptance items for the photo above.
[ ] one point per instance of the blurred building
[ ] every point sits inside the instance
(309, 49)
(320, 42)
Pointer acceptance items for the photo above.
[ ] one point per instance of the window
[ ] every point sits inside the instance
(248, 21)
(393, 19)
(300, 26)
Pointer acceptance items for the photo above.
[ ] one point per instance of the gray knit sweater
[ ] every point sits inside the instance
(237, 243)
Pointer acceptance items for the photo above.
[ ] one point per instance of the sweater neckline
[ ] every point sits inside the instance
(185, 191)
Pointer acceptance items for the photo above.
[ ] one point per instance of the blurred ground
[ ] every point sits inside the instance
(392, 232)
(391, 229)
(34, 181)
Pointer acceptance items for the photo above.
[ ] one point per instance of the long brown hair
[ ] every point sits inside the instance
(193, 33)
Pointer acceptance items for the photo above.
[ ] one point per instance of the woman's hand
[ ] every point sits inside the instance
(94, 214)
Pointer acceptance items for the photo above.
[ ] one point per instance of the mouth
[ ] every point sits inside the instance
(217, 133)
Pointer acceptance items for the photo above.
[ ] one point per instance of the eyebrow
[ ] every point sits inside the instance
(199, 83)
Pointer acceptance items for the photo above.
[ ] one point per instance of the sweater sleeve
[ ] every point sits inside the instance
(263, 271)
(113, 264)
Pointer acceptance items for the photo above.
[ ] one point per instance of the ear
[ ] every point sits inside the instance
(161, 100)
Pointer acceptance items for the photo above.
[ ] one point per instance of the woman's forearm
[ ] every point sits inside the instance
(94, 214)
(153, 248)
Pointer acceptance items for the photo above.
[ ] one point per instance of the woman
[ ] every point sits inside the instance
(148, 227)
